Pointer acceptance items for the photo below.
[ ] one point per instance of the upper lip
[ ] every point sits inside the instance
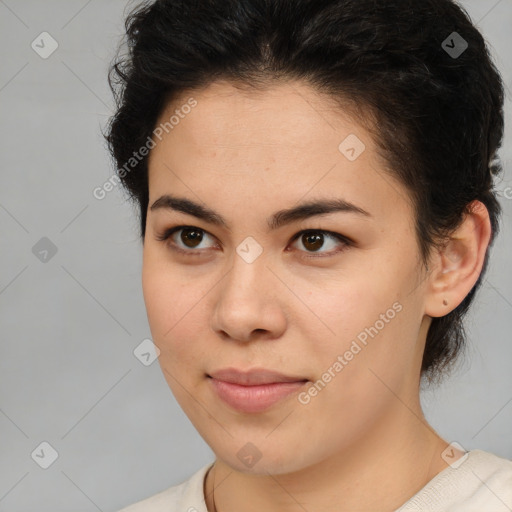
(253, 377)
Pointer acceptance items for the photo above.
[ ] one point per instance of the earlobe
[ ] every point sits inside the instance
(459, 263)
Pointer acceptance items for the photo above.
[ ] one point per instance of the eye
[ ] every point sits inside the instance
(190, 238)
(312, 240)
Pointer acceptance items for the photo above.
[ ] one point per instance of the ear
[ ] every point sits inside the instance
(455, 268)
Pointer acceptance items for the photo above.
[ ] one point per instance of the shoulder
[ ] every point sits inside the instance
(187, 496)
(478, 481)
(494, 473)
(491, 463)
(485, 471)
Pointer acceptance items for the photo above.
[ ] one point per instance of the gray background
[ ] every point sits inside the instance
(69, 325)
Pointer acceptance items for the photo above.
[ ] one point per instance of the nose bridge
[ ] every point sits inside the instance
(248, 272)
(246, 299)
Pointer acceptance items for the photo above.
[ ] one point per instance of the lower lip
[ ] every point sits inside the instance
(254, 398)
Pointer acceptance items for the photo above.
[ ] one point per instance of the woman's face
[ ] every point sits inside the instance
(347, 316)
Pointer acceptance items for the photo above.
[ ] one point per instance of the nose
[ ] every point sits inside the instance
(249, 303)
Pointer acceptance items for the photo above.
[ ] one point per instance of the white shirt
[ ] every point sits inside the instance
(481, 483)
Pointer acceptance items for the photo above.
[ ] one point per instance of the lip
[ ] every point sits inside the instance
(253, 377)
(255, 390)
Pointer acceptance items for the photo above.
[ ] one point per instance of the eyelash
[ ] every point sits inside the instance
(162, 237)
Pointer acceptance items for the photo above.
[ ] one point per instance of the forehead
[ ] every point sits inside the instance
(290, 112)
(283, 143)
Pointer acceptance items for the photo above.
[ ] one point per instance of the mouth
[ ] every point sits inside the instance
(255, 390)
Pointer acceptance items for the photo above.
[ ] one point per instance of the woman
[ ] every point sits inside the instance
(315, 188)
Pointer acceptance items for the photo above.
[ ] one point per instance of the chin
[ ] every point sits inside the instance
(256, 459)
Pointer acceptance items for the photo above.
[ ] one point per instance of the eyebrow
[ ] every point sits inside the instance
(278, 219)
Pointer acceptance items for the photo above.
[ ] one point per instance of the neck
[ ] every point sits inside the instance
(379, 472)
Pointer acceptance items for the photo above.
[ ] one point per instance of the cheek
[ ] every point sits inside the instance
(158, 293)
(369, 319)
(346, 306)
(174, 309)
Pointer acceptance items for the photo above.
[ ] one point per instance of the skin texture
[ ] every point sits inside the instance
(362, 443)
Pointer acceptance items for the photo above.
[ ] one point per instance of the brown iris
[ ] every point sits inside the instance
(312, 241)
(191, 236)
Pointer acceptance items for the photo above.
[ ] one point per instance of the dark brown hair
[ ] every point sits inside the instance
(419, 69)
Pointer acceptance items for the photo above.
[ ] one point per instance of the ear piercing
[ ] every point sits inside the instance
(445, 302)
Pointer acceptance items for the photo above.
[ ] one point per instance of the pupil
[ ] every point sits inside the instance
(191, 235)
